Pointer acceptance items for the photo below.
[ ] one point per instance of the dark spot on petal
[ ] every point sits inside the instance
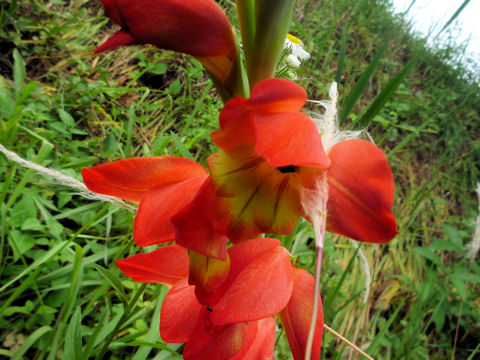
(287, 169)
(209, 309)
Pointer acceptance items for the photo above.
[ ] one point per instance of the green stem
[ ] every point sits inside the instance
(246, 19)
(273, 19)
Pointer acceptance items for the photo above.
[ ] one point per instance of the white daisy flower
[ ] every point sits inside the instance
(292, 61)
(295, 45)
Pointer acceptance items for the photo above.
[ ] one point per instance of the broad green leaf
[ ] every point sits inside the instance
(23, 210)
(20, 243)
(66, 118)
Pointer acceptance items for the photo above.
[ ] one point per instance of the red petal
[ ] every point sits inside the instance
(112, 12)
(152, 223)
(260, 290)
(222, 342)
(264, 344)
(180, 310)
(271, 96)
(166, 265)
(195, 226)
(297, 316)
(130, 179)
(235, 124)
(240, 256)
(195, 27)
(360, 192)
(276, 96)
(207, 274)
(289, 139)
(120, 38)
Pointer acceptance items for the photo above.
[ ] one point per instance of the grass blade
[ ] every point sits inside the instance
(114, 282)
(341, 57)
(385, 95)
(352, 98)
(73, 337)
(454, 16)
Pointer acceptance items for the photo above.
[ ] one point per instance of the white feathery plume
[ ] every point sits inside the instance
(314, 201)
(62, 179)
(474, 246)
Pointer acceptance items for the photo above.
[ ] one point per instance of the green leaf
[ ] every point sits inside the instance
(73, 338)
(32, 224)
(158, 69)
(20, 243)
(428, 254)
(378, 337)
(114, 282)
(66, 118)
(107, 328)
(7, 103)
(23, 210)
(27, 91)
(19, 73)
(180, 146)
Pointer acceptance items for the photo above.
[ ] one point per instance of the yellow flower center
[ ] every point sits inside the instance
(294, 39)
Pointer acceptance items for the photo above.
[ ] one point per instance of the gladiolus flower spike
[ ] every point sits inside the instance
(222, 302)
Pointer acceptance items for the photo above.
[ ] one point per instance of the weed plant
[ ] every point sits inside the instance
(61, 295)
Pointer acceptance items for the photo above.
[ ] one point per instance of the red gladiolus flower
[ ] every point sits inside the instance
(268, 146)
(271, 152)
(168, 189)
(195, 27)
(236, 320)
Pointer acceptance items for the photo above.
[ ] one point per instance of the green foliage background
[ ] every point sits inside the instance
(63, 108)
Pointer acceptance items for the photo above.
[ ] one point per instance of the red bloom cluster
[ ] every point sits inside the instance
(221, 302)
